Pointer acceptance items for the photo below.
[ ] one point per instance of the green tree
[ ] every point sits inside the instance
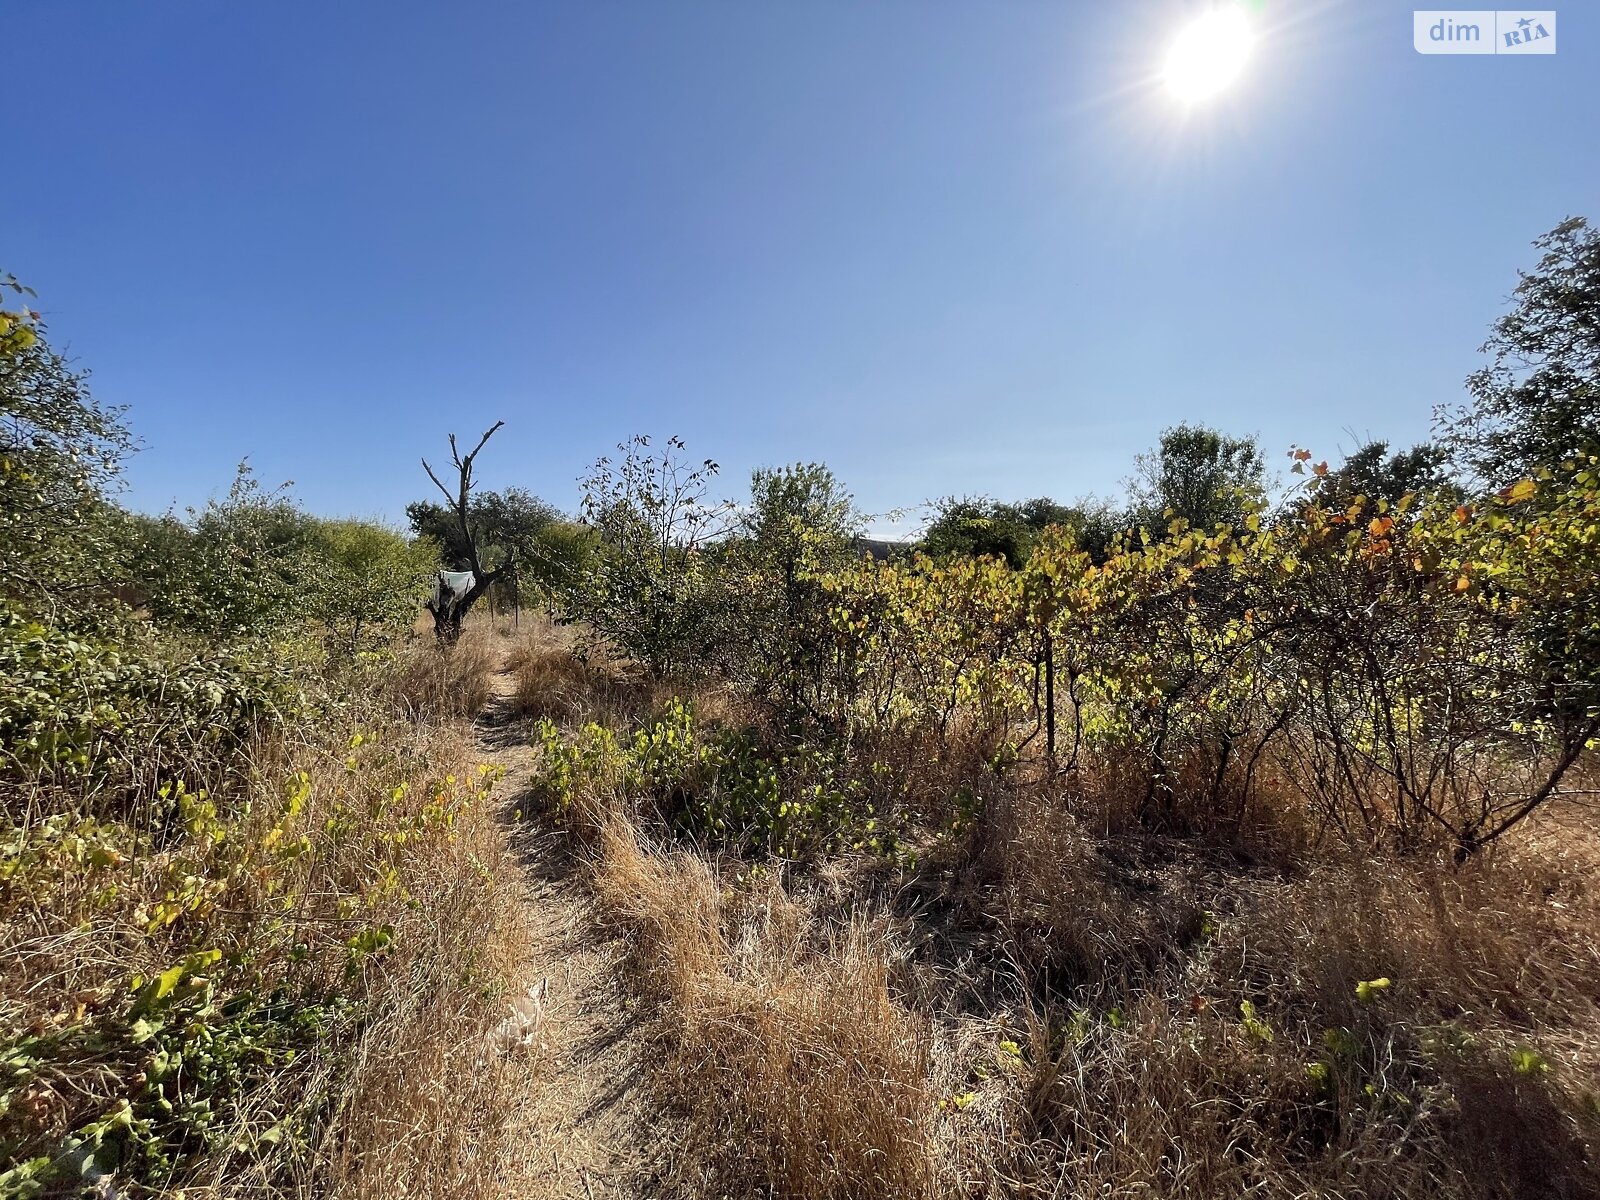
(650, 586)
(242, 567)
(1199, 474)
(369, 579)
(437, 524)
(1096, 525)
(972, 527)
(800, 524)
(509, 521)
(60, 457)
(1374, 473)
(558, 560)
(1536, 403)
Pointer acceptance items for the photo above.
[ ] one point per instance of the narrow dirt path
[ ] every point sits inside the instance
(588, 1130)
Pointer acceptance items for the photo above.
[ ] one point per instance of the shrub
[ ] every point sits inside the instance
(123, 722)
(208, 1013)
(723, 787)
(649, 586)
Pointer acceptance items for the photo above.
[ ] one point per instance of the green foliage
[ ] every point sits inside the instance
(194, 1051)
(247, 927)
(253, 567)
(1201, 476)
(369, 580)
(1429, 670)
(1537, 402)
(650, 586)
(241, 567)
(1368, 474)
(1368, 990)
(777, 638)
(125, 717)
(726, 787)
(60, 452)
(547, 553)
(1253, 1024)
(973, 527)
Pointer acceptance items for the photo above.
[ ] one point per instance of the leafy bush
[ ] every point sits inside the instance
(60, 453)
(238, 568)
(650, 586)
(724, 787)
(1418, 671)
(368, 584)
(125, 720)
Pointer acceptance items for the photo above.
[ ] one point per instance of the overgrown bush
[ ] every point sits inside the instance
(1424, 674)
(728, 787)
(649, 586)
(122, 722)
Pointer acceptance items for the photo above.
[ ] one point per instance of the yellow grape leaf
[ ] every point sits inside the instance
(1367, 989)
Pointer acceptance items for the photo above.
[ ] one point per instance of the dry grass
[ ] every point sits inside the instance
(1471, 1073)
(433, 1097)
(550, 681)
(389, 1098)
(1097, 1009)
(800, 1074)
(435, 680)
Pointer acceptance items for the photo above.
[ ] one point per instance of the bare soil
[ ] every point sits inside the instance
(588, 1128)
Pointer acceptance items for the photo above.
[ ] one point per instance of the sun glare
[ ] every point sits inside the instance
(1208, 54)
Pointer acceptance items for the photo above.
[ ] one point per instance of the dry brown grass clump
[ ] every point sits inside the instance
(1072, 910)
(550, 681)
(800, 1073)
(433, 1096)
(435, 679)
(1182, 1024)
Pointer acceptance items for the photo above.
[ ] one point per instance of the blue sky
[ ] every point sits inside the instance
(943, 247)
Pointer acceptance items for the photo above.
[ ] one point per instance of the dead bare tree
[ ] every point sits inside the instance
(449, 608)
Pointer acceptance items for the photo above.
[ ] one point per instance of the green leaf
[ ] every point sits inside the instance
(1367, 990)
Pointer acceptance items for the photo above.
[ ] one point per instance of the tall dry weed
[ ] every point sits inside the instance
(549, 681)
(333, 942)
(801, 1075)
(1185, 1023)
(442, 680)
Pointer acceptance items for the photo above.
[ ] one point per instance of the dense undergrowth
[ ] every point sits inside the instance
(245, 957)
(1051, 998)
(1237, 915)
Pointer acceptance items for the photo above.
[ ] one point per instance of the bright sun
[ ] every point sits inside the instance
(1208, 54)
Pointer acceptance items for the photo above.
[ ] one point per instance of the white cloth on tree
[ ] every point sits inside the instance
(451, 585)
